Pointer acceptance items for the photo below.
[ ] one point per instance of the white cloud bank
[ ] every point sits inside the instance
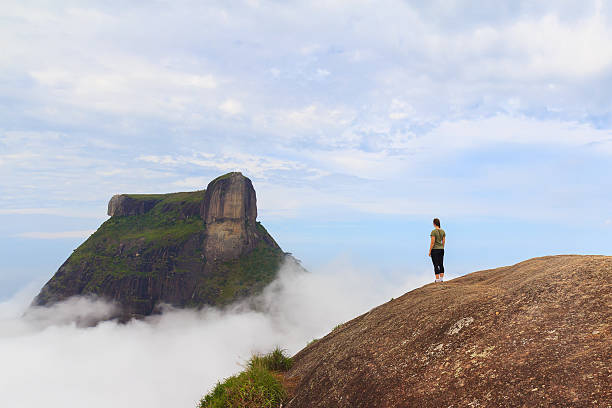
(173, 359)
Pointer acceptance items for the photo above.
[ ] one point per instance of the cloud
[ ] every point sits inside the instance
(514, 130)
(554, 47)
(440, 59)
(311, 118)
(400, 109)
(56, 234)
(322, 73)
(231, 107)
(254, 165)
(63, 212)
(360, 169)
(78, 311)
(172, 359)
(132, 87)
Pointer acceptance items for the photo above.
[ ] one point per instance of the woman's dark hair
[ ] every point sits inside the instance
(436, 222)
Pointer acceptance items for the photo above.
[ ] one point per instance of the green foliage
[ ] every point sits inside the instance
(241, 277)
(167, 237)
(167, 241)
(182, 197)
(273, 361)
(131, 245)
(258, 386)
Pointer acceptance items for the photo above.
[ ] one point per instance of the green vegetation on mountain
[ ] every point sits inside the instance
(241, 277)
(158, 248)
(125, 246)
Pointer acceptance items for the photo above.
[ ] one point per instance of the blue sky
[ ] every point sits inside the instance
(358, 122)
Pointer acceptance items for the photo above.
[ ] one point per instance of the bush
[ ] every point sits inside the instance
(258, 386)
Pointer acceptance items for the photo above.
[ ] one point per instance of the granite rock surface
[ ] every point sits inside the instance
(534, 334)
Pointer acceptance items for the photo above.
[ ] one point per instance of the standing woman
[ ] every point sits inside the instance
(436, 250)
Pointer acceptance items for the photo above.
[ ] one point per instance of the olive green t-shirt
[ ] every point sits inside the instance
(438, 234)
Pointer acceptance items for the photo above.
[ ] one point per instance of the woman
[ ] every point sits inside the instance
(436, 249)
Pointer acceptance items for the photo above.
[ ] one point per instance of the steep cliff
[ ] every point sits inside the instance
(185, 249)
(229, 211)
(535, 334)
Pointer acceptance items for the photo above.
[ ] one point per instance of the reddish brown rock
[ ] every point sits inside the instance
(535, 334)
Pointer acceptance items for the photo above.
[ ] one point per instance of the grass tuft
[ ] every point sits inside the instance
(273, 361)
(259, 385)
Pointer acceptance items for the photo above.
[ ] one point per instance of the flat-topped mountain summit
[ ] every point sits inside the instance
(185, 249)
(535, 334)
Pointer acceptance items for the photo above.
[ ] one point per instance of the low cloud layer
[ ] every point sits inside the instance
(171, 360)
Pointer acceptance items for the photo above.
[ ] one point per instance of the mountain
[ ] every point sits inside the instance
(535, 334)
(184, 249)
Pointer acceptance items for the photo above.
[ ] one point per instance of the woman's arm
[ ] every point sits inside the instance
(444, 241)
(433, 241)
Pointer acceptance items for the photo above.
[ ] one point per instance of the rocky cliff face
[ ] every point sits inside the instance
(229, 210)
(124, 205)
(184, 249)
(535, 334)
